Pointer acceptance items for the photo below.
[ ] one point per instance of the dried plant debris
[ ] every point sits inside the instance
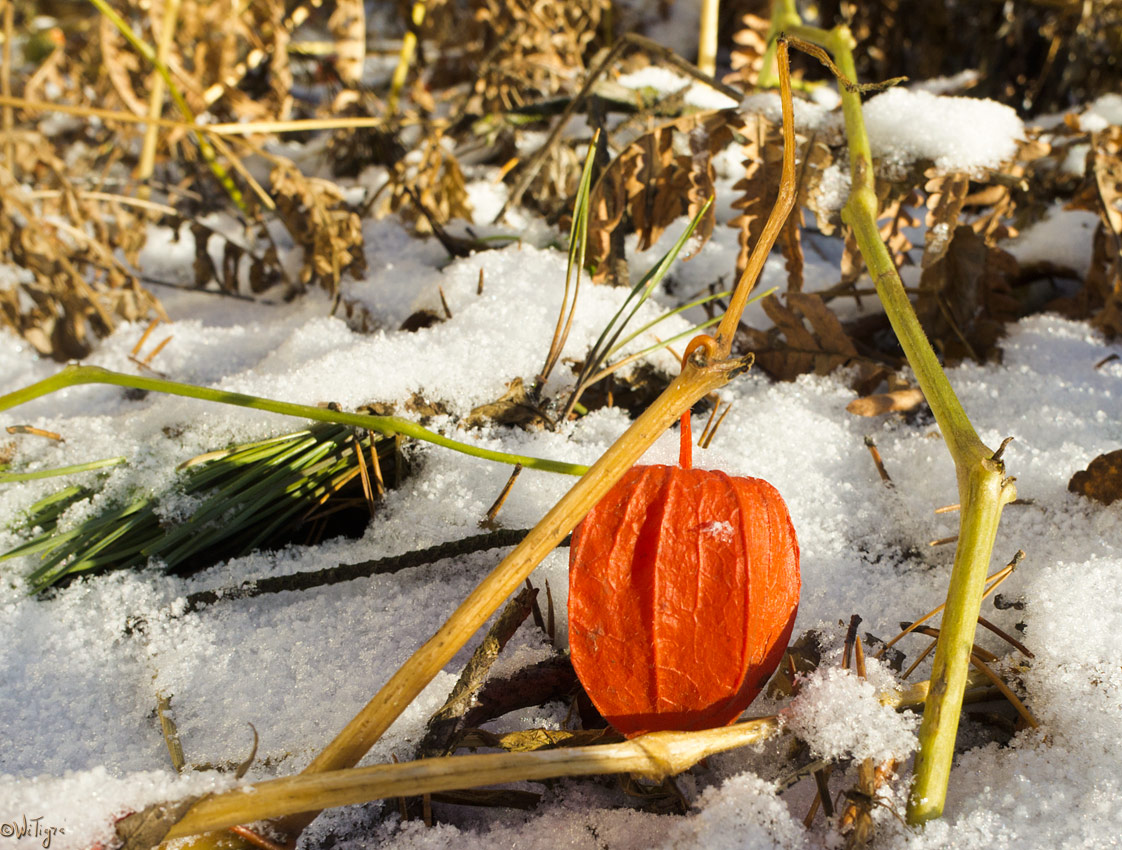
(1042, 57)
(76, 254)
(1101, 480)
(663, 175)
(517, 51)
(321, 223)
(486, 72)
(819, 349)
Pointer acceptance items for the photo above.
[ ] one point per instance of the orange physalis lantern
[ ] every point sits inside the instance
(683, 589)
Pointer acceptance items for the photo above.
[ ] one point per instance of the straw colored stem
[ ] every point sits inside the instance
(656, 755)
(9, 120)
(707, 38)
(248, 128)
(405, 58)
(156, 97)
(784, 203)
(369, 724)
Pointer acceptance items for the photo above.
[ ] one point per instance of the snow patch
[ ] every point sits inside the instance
(840, 715)
(958, 133)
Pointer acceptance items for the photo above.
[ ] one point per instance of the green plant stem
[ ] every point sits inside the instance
(784, 17)
(388, 425)
(983, 488)
(13, 477)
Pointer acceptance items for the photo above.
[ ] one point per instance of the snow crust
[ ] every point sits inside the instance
(958, 133)
(1106, 110)
(1062, 238)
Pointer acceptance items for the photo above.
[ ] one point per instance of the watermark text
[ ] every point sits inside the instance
(35, 829)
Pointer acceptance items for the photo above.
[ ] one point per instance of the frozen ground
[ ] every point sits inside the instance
(79, 740)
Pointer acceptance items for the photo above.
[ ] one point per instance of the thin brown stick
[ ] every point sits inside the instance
(1005, 636)
(984, 654)
(37, 432)
(496, 506)
(1006, 691)
(992, 583)
(709, 421)
(248, 128)
(919, 660)
(708, 438)
(147, 361)
(878, 461)
(375, 465)
(364, 474)
(144, 338)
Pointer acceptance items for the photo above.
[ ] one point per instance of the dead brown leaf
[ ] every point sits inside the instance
(513, 408)
(819, 349)
(759, 187)
(747, 56)
(965, 299)
(315, 214)
(1101, 480)
(890, 402)
(650, 184)
(945, 196)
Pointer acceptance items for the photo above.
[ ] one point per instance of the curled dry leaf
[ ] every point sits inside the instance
(71, 249)
(1105, 276)
(965, 296)
(429, 187)
(514, 408)
(748, 56)
(890, 402)
(759, 187)
(1101, 480)
(519, 50)
(664, 174)
(945, 196)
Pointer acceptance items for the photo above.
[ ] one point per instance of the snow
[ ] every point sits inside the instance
(1062, 238)
(958, 133)
(667, 82)
(839, 715)
(1106, 110)
(78, 687)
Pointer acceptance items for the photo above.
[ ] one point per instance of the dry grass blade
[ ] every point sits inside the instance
(1006, 691)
